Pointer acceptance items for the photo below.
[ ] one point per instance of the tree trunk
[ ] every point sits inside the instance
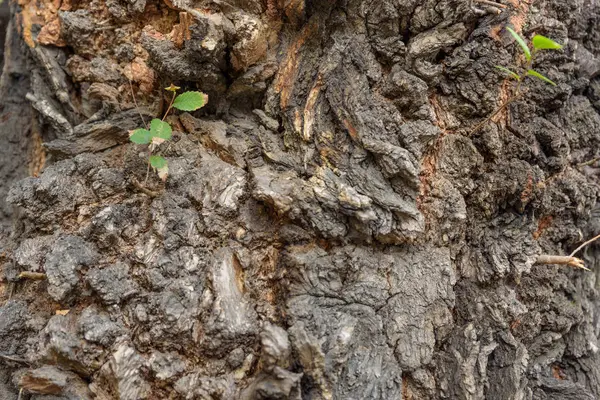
(330, 227)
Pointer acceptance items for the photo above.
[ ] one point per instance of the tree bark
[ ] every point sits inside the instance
(329, 228)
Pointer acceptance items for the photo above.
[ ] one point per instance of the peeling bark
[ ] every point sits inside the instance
(330, 229)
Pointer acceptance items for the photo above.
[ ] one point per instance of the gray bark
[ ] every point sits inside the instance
(329, 229)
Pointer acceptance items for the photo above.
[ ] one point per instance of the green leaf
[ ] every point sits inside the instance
(508, 71)
(140, 136)
(190, 101)
(521, 42)
(161, 166)
(158, 162)
(540, 76)
(160, 129)
(542, 42)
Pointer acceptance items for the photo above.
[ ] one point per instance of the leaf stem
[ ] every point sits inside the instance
(148, 169)
(14, 359)
(512, 98)
(170, 106)
(590, 162)
(502, 107)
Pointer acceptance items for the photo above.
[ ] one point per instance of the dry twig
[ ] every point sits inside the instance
(36, 276)
(491, 3)
(14, 359)
(561, 260)
(143, 189)
(585, 244)
(589, 162)
(570, 260)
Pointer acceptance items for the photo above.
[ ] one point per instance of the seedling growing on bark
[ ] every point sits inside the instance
(160, 131)
(525, 70)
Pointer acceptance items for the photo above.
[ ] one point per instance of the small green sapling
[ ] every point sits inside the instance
(525, 70)
(160, 131)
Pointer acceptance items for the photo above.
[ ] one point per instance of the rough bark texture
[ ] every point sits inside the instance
(329, 229)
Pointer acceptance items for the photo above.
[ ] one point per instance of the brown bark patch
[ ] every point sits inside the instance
(139, 72)
(518, 19)
(495, 32)
(309, 108)
(528, 191)
(39, 385)
(284, 82)
(27, 17)
(50, 34)
(543, 224)
(351, 130)
(430, 159)
(239, 274)
(558, 373)
(294, 11)
(38, 154)
(45, 14)
(181, 32)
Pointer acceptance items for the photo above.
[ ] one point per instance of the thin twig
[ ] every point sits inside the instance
(36, 276)
(561, 260)
(488, 119)
(145, 124)
(105, 28)
(590, 162)
(152, 144)
(136, 105)
(585, 244)
(514, 97)
(143, 189)
(14, 359)
(148, 169)
(491, 3)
